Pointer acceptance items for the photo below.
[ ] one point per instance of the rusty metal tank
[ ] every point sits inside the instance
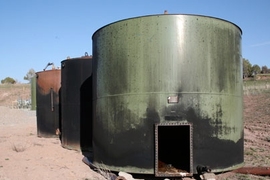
(76, 103)
(167, 89)
(47, 102)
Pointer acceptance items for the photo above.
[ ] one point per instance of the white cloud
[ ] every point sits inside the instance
(261, 44)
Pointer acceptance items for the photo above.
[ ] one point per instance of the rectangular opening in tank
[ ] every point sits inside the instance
(173, 149)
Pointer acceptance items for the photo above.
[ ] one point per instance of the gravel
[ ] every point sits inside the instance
(12, 117)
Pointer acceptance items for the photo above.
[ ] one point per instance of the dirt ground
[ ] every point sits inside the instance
(25, 156)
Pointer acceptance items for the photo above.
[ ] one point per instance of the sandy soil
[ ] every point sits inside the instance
(25, 156)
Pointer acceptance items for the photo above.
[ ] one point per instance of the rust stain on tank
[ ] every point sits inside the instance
(47, 80)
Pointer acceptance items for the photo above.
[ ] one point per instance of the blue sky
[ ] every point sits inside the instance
(35, 32)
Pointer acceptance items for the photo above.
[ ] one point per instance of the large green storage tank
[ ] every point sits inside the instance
(168, 89)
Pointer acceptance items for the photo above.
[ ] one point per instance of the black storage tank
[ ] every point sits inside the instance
(76, 103)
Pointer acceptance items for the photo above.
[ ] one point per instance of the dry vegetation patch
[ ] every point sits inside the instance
(11, 93)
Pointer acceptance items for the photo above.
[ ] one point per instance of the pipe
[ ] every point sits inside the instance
(49, 64)
(52, 101)
(262, 171)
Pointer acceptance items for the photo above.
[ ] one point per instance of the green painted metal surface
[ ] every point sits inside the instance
(33, 93)
(140, 62)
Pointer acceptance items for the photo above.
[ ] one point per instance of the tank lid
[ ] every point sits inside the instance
(166, 14)
(86, 56)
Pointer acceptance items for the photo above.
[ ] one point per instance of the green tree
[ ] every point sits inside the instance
(264, 69)
(256, 69)
(8, 80)
(247, 68)
(31, 73)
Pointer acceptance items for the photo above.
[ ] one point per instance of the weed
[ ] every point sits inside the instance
(249, 153)
(37, 144)
(243, 177)
(18, 148)
(105, 172)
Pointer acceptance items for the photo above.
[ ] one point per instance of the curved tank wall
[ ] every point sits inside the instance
(167, 69)
(47, 102)
(76, 103)
(33, 93)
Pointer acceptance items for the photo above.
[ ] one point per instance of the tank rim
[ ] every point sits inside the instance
(78, 58)
(175, 14)
(49, 70)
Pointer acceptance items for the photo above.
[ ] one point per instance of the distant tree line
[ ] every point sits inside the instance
(250, 70)
(8, 80)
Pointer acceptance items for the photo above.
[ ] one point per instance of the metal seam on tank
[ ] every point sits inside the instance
(132, 94)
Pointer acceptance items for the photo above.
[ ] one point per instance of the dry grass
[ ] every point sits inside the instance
(18, 147)
(11, 93)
